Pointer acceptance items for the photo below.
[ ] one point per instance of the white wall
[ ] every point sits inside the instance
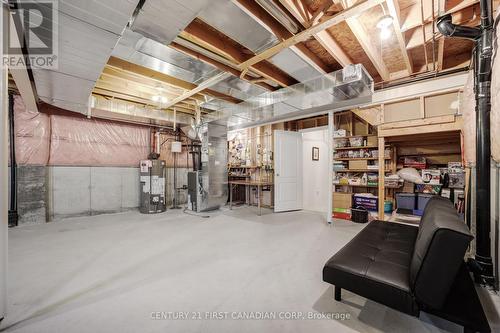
(315, 177)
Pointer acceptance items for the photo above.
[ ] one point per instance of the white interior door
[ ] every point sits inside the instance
(287, 171)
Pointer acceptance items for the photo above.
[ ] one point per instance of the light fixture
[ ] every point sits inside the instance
(159, 99)
(384, 25)
(385, 22)
(385, 33)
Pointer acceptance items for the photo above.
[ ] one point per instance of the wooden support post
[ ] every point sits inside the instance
(331, 150)
(381, 178)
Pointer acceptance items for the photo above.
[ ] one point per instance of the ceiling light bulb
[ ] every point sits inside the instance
(385, 33)
(156, 98)
(385, 22)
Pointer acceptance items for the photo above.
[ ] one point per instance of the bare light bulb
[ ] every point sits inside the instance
(385, 33)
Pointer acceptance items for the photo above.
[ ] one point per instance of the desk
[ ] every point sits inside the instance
(248, 184)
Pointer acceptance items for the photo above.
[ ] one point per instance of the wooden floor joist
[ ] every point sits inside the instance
(323, 37)
(167, 79)
(203, 34)
(265, 19)
(306, 34)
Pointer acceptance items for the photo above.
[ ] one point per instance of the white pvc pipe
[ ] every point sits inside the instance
(4, 151)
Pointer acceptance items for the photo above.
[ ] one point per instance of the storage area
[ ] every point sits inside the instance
(250, 166)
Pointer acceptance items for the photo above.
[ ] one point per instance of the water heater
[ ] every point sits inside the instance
(152, 186)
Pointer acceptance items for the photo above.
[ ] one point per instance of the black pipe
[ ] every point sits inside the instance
(13, 216)
(448, 29)
(483, 37)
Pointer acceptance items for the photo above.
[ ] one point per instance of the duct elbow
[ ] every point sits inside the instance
(448, 29)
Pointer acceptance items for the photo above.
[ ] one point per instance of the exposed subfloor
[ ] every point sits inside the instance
(124, 272)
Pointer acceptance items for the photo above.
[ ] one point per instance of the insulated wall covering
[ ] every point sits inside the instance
(469, 124)
(32, 138)
(495, 97)
(43, 139)
(91, 142)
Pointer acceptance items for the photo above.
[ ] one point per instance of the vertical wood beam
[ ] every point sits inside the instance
(381, 178)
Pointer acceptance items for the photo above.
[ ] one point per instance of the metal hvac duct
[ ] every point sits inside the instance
(483, 38)
(88, 31)
(349, 86)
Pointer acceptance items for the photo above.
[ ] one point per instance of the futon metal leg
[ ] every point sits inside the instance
(338, 294)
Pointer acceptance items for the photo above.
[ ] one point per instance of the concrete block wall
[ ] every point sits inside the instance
(31, 194)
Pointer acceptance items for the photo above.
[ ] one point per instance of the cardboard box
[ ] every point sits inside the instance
(408, 187)
(359, 164)
(342, 200)
(372, 141)
(431, 176)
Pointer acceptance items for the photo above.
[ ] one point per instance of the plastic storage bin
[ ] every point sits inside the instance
(422, 200)
(405, 200)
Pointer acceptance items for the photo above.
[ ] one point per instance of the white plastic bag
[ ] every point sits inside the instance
(411, 175)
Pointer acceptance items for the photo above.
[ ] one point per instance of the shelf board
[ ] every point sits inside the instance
(354, 136)
(359, 159)
(369, 186)
(360, 170)
(352, 148)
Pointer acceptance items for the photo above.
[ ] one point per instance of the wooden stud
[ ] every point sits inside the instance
(422, 107)
(381, 178)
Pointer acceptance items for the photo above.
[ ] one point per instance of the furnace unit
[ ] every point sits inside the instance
(152, 186)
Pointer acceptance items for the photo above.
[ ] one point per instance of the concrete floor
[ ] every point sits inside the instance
(123, 272)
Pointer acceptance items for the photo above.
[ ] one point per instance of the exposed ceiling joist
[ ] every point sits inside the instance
(323, 37)
(413, 16)
(365, 41)
(203, 34)
(304, 35)
(266, 20)
(204, 85)
(394, 11)
(167, 79)
(217, 64)
(371, 51)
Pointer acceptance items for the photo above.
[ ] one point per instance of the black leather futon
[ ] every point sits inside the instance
(413, 269)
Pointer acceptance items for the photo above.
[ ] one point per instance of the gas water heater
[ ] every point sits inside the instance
(152, 186)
